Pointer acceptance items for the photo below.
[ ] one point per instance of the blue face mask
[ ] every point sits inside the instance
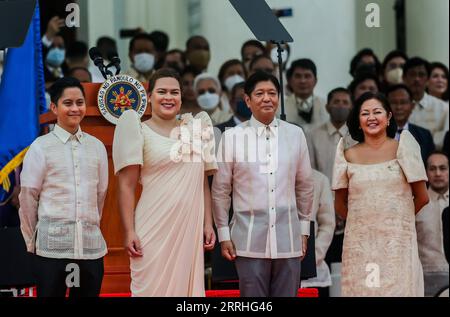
(56, 56)
(242, 110)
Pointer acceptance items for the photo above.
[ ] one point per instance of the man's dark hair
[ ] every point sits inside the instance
(224, 68)
(257, 58)
(106, 46)
(189, 69)
(304, 63)
(140, 36)
(57, 89)
(391, 55)
(360, 78)
(355, 63)
(337, 90)
(436, 152)
(236, 87)
(258, 77)
(254, 43)
(164, 73)
(192, 39)
(353, 118)
(160, 40)
(74, 69)
(77, 50)
(393, 88)
(415, 62)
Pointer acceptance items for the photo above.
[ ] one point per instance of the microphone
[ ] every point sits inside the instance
(114, 61)
(96, 57)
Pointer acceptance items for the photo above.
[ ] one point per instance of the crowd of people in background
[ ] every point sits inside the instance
(415, 89)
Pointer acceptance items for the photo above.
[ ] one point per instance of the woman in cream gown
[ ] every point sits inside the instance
(166, 244)
(380, 253)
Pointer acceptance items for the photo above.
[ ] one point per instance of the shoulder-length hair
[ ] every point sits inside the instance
(353, 118)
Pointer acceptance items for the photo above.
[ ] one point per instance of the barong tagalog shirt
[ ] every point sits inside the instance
(267, 171)
(63, 187)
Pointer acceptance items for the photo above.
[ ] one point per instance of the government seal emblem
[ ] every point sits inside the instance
(120, 93)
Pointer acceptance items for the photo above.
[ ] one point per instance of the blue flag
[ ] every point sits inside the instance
(22, 99)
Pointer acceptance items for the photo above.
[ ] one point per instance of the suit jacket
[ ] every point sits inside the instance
(445, 228)
(424, 138)
(228, 124)
(222, 269)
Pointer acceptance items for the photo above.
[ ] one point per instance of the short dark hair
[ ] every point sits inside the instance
(163, 73)
(106, 46)
(74, 69)
(353, 118)
(225, 66)
(189, 69)
(360, 78)
(237, 86)
(257, 58)
(391, 55)
(435, 152)
(254, 43)
(416, 62)
(57, 89)
(393, 88)
(77, 50)
(258, 77)
(192, 39)
(160, 40)
(337, 90)
(304, 63)
(140, 36)
(357, 58)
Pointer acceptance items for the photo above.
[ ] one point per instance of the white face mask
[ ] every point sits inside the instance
(208, 101)
(395, 76)
(274, 55)
(233, 80)
(144, 62)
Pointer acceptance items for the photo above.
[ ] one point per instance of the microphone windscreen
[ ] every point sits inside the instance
(94, 53)
(112, 54)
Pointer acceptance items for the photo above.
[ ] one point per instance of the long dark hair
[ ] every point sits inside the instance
(353, 118)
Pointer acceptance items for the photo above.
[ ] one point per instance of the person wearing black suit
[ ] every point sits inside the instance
(424, 138)
(241, 112)
(400, 98)
(445, 228)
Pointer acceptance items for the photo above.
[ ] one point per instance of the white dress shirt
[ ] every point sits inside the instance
(294, 105)
(322, 143)
(431, 113)
(268, 173)
(404, 128)
(430, 233)
(63, 188)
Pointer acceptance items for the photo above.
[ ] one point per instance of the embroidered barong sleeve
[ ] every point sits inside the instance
(31, 180)
(304, 187)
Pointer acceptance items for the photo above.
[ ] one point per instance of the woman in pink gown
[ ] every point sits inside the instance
(167, 232)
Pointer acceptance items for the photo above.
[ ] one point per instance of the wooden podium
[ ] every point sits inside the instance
(117, 268)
